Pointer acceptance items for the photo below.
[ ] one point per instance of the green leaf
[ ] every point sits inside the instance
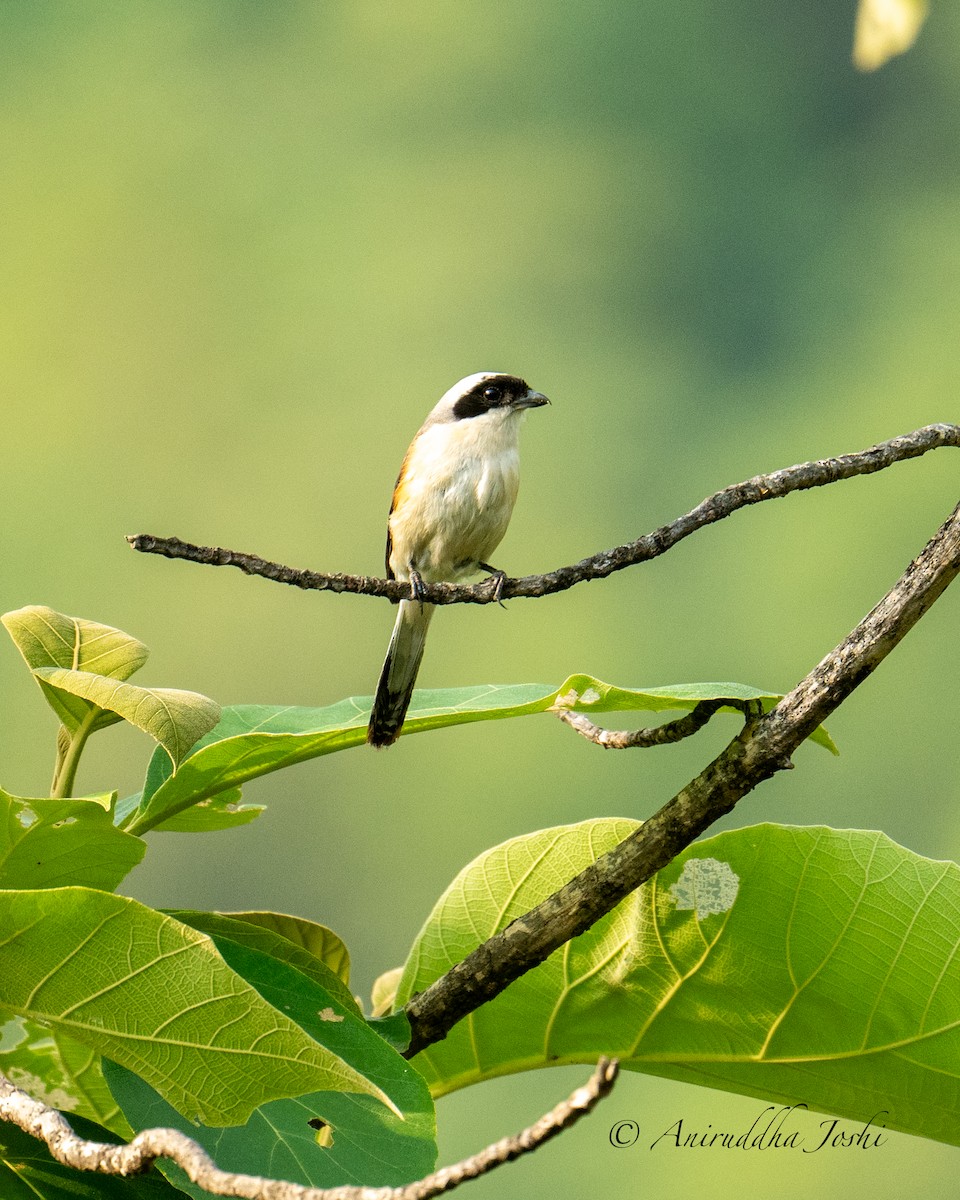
(48, 639)
(176, 719)
(223, 811)
(57, 1071)
(154, 995)
(83, 1068)
(317, 940)
(394, 1028)
(371, 1145)
(812, 966)
(253, 740)
(237, 927)
(48, 843)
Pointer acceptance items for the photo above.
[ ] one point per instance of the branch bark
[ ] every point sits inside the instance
(139, 1155)
(598, 566)
(763, 747)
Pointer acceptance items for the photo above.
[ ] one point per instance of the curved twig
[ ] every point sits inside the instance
(657, 735)
(140, 1154)
(598, 566)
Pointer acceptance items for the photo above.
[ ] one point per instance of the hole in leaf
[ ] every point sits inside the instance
(324, 1137)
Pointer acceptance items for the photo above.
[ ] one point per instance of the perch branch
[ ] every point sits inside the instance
(598, 566)
(140, 1154)
(763, 747)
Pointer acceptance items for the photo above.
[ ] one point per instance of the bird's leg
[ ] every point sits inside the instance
(416, 586)
(499, 577)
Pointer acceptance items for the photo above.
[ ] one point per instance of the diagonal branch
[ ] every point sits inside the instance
(763, 747)
(598, 566)
(141, 1153)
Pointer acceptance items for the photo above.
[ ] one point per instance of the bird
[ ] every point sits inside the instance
(451, 506)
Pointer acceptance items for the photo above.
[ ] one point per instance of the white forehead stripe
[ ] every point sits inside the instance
(452, 395)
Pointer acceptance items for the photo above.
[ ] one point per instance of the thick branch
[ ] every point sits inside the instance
(763, 747)
(598, 566)
(139, 1155)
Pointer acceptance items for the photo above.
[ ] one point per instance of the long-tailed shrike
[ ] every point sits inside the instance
(451, 507)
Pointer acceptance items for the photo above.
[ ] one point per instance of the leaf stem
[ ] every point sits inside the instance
(65, 773)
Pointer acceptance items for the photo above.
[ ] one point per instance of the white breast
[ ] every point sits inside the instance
(458, 488)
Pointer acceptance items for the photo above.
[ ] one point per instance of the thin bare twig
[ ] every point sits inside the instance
(658, 735)
(140, 1154)
(598, 566)
(762, 748)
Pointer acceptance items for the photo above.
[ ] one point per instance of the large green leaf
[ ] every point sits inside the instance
(812, 966)
(236, 927)
(252, 740)
(370, 1144)
(53, 843)
(174, 718)
(29, 1172)
(48, 639)
(154, 995)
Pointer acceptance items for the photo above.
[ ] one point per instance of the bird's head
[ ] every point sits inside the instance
(487, 393)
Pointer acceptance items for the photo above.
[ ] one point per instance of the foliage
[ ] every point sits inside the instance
(798, 964)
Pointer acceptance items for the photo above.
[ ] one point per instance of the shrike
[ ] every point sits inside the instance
(451, 507)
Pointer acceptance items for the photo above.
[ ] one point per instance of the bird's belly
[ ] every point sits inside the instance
(446, 527)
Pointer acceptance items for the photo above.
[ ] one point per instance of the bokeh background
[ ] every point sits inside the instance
(246, 246)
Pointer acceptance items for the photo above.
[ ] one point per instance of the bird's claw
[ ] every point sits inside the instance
(416, 588)
(498, 579)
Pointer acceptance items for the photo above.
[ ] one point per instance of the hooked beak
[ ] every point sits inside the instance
(531, 400)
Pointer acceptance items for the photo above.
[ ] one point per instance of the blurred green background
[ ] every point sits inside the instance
(245, 248)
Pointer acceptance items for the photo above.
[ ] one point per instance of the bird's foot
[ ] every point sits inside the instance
(416, 587)
(498, 578)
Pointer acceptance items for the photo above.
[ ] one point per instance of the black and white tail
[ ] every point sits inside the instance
(399, 672)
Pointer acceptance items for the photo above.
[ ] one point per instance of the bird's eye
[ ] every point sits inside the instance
(493, 394)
